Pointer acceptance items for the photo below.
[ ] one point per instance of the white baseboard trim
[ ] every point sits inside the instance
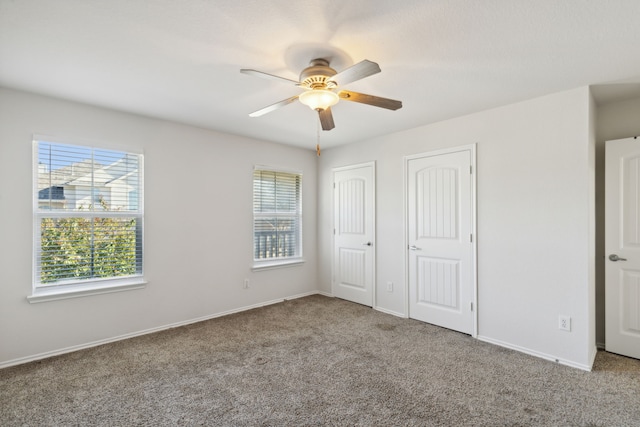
(326, 294)
(391, 312)
(47, 354)
(536, 353)
(302, 295)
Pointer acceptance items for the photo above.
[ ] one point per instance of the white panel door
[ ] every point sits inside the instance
(622, 245)
(354, 255)
(440, 248)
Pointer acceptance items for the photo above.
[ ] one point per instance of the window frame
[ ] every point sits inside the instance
(96, 285)
(276, 262)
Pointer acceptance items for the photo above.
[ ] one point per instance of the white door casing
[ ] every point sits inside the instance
(354, 233)
(440, 238)
(622, 247)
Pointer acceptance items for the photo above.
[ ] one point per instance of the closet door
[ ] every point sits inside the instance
(440, 248)
(354, 233)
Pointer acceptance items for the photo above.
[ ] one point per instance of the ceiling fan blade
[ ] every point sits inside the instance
(376, 101)
(273, 107)
(267, 76)
(358, 71)
(326, 119)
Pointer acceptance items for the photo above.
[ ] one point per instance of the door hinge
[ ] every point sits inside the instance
(471, 238)
(334, 231)
(471, 169)
(471, 306)
(334, 185)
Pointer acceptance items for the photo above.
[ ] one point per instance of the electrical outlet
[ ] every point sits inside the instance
(389, 286)
(564, 323)
(246, 284)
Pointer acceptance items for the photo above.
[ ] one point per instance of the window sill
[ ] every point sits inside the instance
(268, 265)
(53, 294)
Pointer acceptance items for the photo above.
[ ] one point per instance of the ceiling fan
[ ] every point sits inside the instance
(322, 89)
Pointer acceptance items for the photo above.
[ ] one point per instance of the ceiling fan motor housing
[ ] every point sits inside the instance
(317, 75)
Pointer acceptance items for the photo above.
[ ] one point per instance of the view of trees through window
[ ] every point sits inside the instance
(83, 248)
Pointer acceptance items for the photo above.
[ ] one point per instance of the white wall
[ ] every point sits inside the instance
(198, 226)
(535, 219)
(615, 120)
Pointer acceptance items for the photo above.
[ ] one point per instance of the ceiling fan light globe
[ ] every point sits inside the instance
(319, 99)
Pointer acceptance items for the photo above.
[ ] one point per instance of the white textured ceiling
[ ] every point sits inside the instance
(180, 60)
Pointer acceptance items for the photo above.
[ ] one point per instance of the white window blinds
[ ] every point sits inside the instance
(277, 215)
(88, 213)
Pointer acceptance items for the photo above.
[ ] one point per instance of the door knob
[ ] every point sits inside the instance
(367, 244)
(614, 257)
(415, 248)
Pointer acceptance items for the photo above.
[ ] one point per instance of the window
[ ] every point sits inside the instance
(277, 217)
(88, 215)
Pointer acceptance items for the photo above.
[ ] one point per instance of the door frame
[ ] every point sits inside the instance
(373, 220)
(474, 247)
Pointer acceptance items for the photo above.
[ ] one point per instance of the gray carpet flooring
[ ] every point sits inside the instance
(315, 361)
